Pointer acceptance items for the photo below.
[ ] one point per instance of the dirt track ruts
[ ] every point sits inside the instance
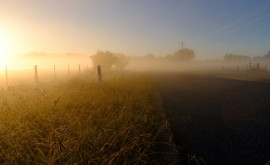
(224, 121)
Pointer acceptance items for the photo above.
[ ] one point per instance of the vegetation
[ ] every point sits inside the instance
(236, 57)
(121, 62)
(108, 60)
(265, 57)
(184, 55)
(76, 122)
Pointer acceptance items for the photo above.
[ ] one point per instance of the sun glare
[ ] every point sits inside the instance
(5, 47)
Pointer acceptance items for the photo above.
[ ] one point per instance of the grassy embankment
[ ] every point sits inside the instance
(76, 122)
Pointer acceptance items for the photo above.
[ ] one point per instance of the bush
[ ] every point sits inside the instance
(108, 59)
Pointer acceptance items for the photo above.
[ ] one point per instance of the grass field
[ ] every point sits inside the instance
(76, 122)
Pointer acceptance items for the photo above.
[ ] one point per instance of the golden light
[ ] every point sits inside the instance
(5, 47)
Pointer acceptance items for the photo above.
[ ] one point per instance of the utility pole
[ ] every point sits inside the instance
(182, 44)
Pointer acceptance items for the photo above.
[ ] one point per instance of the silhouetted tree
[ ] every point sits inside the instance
(121, 62)
(108, 59)
(184, 54)
(258, 58)
(105, 59)
(268, 55)
(265, 57)
(150, 56)
(236, 57)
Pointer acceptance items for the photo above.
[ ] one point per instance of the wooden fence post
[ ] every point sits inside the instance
(54, 76)
(99, 76)
(258, 66)
(36, 74)
(6, 77)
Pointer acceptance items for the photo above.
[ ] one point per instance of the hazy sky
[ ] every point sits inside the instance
(137, 27)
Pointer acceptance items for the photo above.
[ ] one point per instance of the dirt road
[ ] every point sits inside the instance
(224, 121)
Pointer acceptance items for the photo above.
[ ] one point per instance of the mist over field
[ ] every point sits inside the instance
(51, 66)
(135, 82)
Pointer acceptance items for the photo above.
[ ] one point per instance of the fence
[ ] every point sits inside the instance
(16, 74)
(255, 67)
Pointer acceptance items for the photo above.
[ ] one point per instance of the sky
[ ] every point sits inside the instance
(212, 28)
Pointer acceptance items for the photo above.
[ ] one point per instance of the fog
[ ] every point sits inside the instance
(20, 69)
(160, 64)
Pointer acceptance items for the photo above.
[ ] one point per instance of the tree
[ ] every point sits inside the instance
(105, 59)
(121, 62)
(268, 55)
(108, 59)
(149, 56)
(236, 57)
(184, 54)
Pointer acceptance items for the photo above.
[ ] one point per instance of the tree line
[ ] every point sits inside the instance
(237, 57)
(110, 60)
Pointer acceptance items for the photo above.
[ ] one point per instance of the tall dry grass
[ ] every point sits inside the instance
(76, 122)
